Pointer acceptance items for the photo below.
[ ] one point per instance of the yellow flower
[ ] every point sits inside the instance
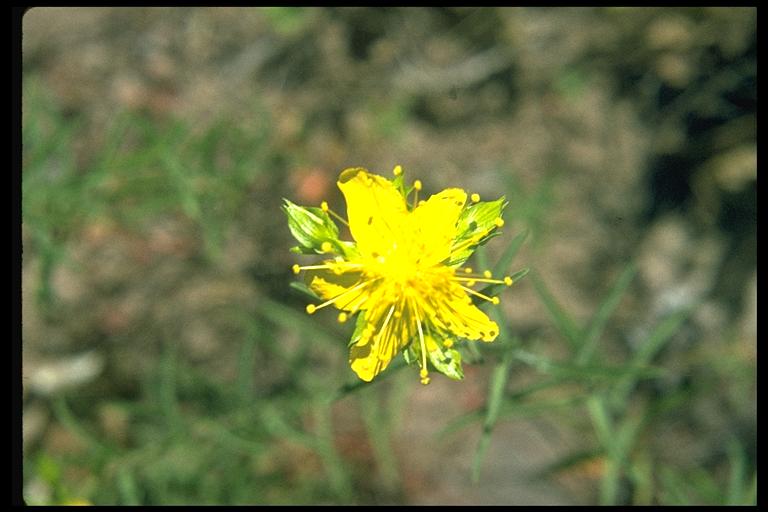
(401, 274)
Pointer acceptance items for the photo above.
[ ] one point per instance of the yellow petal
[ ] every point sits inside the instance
(461, 317)
(372, 358)
(386, 336)
(434, 223)
(375, 209)
(367, 361)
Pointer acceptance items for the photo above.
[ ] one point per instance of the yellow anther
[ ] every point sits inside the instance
(342, 317)
(422, 202)
(417, 184)
(448, 343)
(326, 247)
(475, 198)
(468, 270)
(508, 281)
(423, 373)
(324, 206)
(296, 268)
(397, 171)
(471, 283)
(499, 222)
(487, 274)
(494, 300)
(311, 308)
(425, 380)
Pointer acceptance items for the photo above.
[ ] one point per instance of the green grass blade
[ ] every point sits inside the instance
(352, 387)
(565, 463)
(647, 350)
(737, 476)
(750, 493)
(587, 373)
(512, 409)
(338, 477)
(509, 254)
(498, 384)
(167, 389)
(295, 320)
(601, 422)
(563, 322)
(604, 311)
(126, 484)
(642, 477)
(609, 484)
(64, 415)
(277, 426)
(378, 425)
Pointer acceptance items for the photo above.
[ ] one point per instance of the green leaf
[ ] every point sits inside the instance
(476, 218)
(311, 226)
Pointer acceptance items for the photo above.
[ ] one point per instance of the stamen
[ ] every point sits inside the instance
(475, 198)
(398, 170)
(416, 188)
(473, 280)
(342, 317)
(386, 321)
(468, 270)
(296, 268)
(508, 281)
(492, 300)
(448, 343)
(499, 222)
(327, 266)
(326, 247)
(311, 308)
(424, 371)
(487, 274)
(324, 207)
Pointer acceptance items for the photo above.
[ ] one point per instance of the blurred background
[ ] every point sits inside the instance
(167, 359)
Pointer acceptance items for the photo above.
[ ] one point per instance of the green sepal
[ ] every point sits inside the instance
(310, 226)
(358, 332)
(410, 355)
(399, 184)
(476, 218)
(447, 362)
